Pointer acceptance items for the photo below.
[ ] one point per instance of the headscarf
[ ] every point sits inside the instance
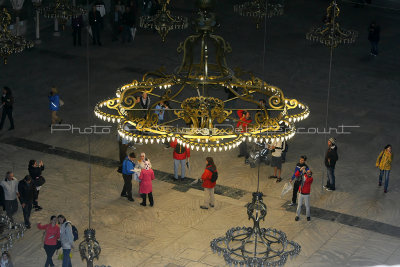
(147, 164)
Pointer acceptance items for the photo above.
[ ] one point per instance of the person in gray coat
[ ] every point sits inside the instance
(10, 187)
(67, 239)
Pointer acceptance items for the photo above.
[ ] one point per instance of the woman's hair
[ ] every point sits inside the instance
(387, 146)
(62, 216)
(54, 90)
(31, 162)
(8, 90)
(52, 217)
(210, 161)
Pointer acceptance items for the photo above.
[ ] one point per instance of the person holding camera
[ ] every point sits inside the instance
(244, 120)
(160, 111)
(301, 167)
(304, 191)
(35, 171)
(51, 236)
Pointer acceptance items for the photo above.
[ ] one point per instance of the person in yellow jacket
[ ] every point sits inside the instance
(384, 163)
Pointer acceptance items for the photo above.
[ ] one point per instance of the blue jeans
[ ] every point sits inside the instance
(331, 177)
(182, 162)
(385, 174)
(49, 252)
(66, 259)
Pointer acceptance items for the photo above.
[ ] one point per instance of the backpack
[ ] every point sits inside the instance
(74, 232)
(214, 176)
(180, 149)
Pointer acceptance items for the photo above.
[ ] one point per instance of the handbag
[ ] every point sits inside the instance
(39, 181)
(61, 256)
(58, 245)
(61, 103)
(286, 188)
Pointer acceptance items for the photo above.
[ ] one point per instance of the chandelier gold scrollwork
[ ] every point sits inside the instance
(259, 9)
(9, 43)
(195, 89)
(163, 22)
(330, 33)
(61, 9)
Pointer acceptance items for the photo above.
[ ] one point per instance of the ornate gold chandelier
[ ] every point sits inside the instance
(9, 43)
(259, 9)
(330, 34)
(163, 21)
(199, 123)
(61, 9)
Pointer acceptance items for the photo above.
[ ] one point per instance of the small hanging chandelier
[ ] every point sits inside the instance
(10, 232)
(331, 34)
(89, 248)
(9, 43)
(259, 9)
(255, 246)
(199, 123)
(163, 21)
(61, 9)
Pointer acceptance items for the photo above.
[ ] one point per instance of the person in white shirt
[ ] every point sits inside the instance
(277, 147)
(10, 187)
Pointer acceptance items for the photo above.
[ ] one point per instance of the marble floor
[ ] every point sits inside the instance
(357, 225)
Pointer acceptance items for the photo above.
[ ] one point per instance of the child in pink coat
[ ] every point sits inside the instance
(146, 185)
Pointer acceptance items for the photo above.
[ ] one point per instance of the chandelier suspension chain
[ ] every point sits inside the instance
(89, 120)
(329, 86)
(263, 70)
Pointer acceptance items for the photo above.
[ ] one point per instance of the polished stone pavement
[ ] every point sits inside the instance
(357, 225)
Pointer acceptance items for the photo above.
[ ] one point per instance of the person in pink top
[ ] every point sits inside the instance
(52, 235)
(146, 184)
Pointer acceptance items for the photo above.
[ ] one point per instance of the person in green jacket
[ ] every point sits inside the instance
(384, 163)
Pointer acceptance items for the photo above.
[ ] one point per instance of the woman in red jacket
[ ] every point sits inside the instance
(52, 234)
(208, 185)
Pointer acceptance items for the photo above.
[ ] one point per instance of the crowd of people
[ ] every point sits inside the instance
(27, 192)
(123, 19)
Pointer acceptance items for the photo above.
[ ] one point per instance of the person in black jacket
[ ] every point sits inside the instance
(35, 171)
(373, 37)
(116, 21)
(26, 190)
(95, 22)
(77, 25)
(7, 102)
(331, 157)
(128, 23)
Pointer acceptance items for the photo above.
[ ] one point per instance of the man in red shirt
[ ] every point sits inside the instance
(304, 191)
(181, 156)
(244, 120)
